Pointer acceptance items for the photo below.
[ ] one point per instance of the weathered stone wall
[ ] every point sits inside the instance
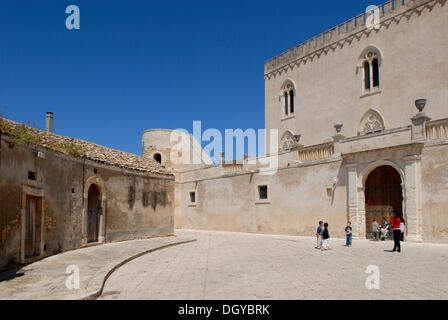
(298, 199)
(435, 193)
(137, 204)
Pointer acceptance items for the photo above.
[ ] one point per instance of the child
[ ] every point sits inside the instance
(319, 235)
(325, 237)
(348, 234)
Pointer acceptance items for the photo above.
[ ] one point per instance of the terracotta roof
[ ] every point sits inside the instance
(80, 148)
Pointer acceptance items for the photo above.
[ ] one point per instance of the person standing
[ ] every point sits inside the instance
(319, 232)
(402, 230)
(348, 234)
(325, 238)
(375, 230)
(395, 222)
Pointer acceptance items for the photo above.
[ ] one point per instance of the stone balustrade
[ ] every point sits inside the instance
(437, 130)
(317, 152)
(230, 168)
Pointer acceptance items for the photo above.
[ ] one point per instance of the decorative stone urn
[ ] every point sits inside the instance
(420, 104)
(338, 127)
(419, 122)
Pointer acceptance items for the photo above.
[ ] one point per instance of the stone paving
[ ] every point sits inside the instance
(46, 279)
(222, 265)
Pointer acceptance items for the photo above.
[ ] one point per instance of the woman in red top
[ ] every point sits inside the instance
(395, 226)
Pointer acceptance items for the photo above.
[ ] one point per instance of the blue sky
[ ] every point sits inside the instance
(137, 65)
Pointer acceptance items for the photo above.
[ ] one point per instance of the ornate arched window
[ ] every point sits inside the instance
(369, 63)
(288, 141)
(371, 122)
(288, 92)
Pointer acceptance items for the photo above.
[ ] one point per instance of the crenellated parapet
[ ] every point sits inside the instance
(336, 37)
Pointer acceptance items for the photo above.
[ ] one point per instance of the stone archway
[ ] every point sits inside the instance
(407, 163)
(383, 194)
(94, 212)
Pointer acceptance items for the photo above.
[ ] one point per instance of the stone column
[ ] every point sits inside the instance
(361, 214)
(419, 124)
(352, 199)
(102, 222)
(413, 204)
(84, 223)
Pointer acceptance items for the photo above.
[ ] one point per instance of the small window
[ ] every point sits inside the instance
(32, 175)
(158, 157)
(376, 73)
(286, 103)
(291, 101)
(367, 75)
(263, 192)
(192, 197)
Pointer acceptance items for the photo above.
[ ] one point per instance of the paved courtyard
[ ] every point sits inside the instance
(224, 265)
(221, 265)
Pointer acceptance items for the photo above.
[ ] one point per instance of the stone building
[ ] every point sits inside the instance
(352, 144)
(59, 193)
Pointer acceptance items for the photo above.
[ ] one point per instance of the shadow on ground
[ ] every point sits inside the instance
(11, 273)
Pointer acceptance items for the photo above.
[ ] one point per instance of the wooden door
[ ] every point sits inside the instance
(383, 194)
(93, 214)
(30, 226)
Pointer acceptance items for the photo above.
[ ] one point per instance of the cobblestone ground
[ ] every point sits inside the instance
(224, 265)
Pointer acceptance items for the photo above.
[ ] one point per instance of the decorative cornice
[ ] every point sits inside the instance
(344, 33)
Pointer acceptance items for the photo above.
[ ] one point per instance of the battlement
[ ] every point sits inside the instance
(388, 11)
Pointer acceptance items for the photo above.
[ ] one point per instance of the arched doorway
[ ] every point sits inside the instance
(93, 213)
(383, 194)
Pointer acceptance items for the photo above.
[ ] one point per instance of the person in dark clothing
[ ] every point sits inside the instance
(395, 226)
(325, 238)
(348, 234)
(319, 231)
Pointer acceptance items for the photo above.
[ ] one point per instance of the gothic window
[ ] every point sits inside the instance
(370, 61)
(288, 92)
(289, 141)
(371, 122)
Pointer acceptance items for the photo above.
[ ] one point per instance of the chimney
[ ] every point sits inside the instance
(49, 122)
